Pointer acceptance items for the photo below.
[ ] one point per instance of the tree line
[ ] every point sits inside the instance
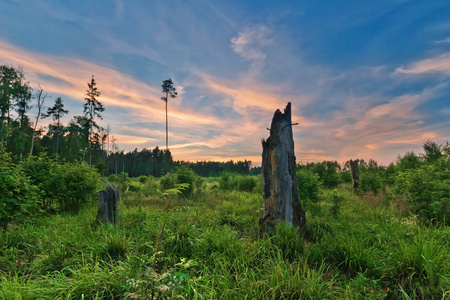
(82, 138)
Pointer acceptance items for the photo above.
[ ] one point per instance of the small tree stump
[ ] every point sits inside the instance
(281, 200)
(354, 166)
(108, 205)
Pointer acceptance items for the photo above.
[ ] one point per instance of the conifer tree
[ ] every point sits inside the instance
(169, 92)
(57, 111)
(92, 110)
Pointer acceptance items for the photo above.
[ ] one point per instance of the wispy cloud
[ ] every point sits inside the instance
(443, 41)
(439, 64)
(251, 41)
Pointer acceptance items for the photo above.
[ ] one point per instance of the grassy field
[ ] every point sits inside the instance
(208, 246)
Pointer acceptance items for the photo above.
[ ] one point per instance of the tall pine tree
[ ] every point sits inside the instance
(57, 111)
(92, 110)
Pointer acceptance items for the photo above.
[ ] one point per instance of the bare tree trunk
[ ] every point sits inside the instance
(281, 200)
(40, 103)
(57, 138)
(167, 129)
(354, 166)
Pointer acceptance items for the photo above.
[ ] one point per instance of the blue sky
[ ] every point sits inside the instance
(367, 79)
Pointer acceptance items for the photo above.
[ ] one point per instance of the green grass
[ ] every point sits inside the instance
(209, 247)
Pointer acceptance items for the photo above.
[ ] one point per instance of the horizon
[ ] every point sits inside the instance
(366, 80)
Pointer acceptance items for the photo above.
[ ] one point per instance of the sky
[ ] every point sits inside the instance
(366, 79)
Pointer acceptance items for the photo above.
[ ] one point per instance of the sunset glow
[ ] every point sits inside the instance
(371, 81)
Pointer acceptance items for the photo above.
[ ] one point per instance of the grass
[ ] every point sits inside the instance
(208, 247)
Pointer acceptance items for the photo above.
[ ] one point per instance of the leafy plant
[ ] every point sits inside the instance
(18, 197)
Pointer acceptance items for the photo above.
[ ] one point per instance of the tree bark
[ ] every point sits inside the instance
(281, 202)
(354, 166)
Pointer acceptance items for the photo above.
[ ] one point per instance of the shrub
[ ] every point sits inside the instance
(227, 181)
(183, 175)
(246, 183)
(427, 189)
(370, 182)
(328, 172)
(234, 181)
(78, 185)
(17, 196)
(308, 185)
(42, 172)
(143, 179)
(168, 181)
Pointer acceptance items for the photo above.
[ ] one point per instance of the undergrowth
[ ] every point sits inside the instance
(207, 246)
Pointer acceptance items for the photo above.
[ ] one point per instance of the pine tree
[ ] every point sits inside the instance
(169, 92)
(92, 110)
(57, 111)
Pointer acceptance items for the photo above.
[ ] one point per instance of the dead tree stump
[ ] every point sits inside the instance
(281, 200)
(354, 166)
(108, 205)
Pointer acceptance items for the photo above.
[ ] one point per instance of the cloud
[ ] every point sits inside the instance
(443, 41)
(446, 111)
(439, 64)
(251, 41)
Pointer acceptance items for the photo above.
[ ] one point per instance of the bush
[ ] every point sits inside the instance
(234, 181)
(42, 172)
(78, 185)
(227, 181)
(370, 182)
(347, 176)
(182, 175)
(328, 172)
(246, 183)
(168, 181)
(143, 179)
(308, 185)
(18, 197)
(69, 184)
(427, 189)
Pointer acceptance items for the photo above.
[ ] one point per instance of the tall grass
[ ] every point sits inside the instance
(208, 247)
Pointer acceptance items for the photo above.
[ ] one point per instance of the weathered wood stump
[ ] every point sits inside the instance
(281, 200)
(354, 166)
(108, 205)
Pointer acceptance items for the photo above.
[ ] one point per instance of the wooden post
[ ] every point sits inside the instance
(108, 205)
(354, 166)
(281, 200)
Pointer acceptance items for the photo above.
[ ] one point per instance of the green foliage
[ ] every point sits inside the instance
(371, 178)
(427, 189)
(70, 185)
(335, 198)
(183, 176)
(78, 185)
(18, 197)
(408, 161)
(168, 181)
(309, 186)
(234, 181)
(347, 176)
(42, 171)
(288, 241)
(143, 179)
(328, 172)
(209, 248)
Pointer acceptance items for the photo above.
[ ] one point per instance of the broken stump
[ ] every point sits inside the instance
(281, 202)
(354, 166)
(108, 205)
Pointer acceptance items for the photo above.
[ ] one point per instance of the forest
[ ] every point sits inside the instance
(189, 230)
